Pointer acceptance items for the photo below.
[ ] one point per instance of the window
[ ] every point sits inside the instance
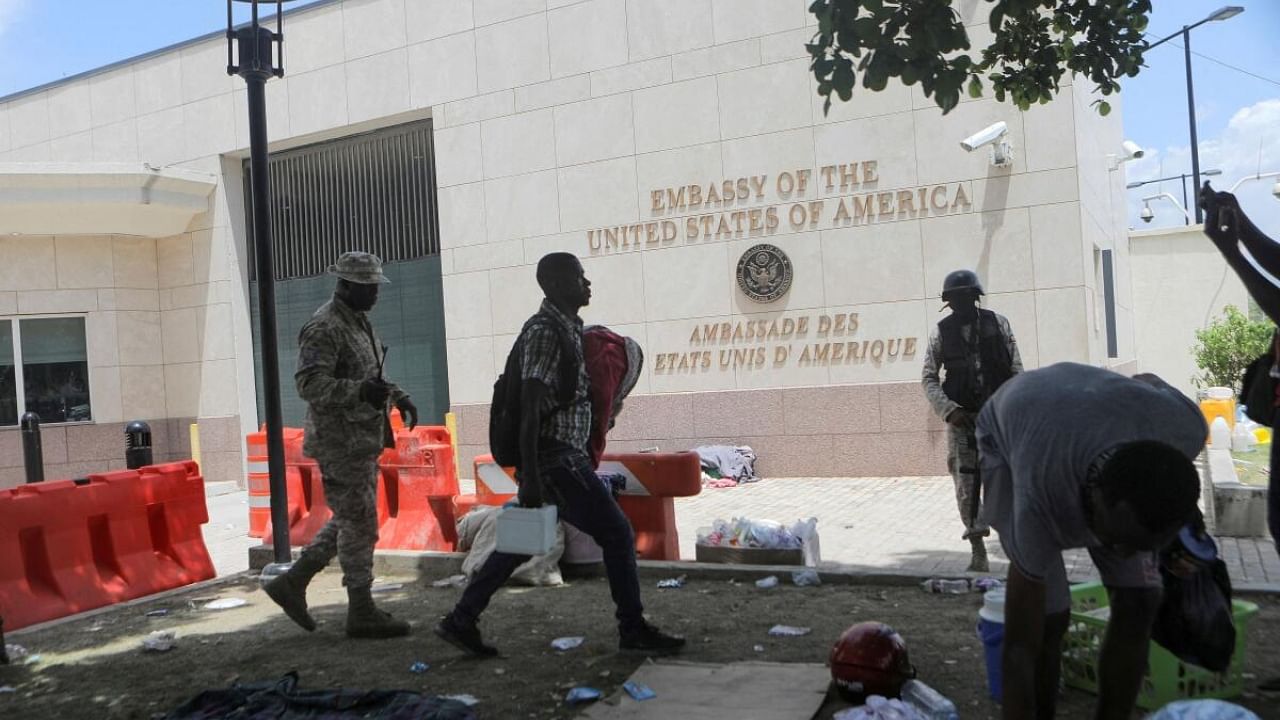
(48, 359)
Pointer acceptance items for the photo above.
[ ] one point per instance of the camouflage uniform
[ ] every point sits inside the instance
(962, 447)
(338, 350)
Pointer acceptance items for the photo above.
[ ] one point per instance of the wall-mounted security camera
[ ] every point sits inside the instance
(1147, 215)
(1129, 150)
(993, 135)
(1275, 190)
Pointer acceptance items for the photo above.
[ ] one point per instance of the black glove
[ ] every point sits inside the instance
(530, 492)
(408, 412)
(375, 392)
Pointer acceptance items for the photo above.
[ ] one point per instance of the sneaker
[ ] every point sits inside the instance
(650, 641)
(464, 636)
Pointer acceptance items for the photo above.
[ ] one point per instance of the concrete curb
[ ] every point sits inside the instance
(443, 564)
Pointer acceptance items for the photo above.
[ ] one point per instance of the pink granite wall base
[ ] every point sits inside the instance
(881, 430)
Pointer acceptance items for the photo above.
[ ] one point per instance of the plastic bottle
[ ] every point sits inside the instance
(1241, 438)
(1220, 434)
(931, 703)
(946, 587)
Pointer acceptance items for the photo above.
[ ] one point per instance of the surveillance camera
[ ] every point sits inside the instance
(1146, 214)
(985, 136)
(1275, 190)
(1132, 151)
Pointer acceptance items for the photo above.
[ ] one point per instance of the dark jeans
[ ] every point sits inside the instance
(583, 501)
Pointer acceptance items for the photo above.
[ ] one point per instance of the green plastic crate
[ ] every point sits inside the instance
(1168, 678)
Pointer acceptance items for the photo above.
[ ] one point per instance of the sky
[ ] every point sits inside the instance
(1238, 115)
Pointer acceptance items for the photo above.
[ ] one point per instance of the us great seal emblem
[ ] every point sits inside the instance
(764, 273)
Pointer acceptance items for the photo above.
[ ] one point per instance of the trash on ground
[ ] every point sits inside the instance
(580, 695)
(464, 698)
(158, 613)
(638, 692)
(226, 604)
(567, 643)
(984, 584)
(7, 689)
(788, 631)
(805, 578)
(386, 587)
(419, 667)
(672, 583)
(451, 581)
(159, 641)
(768, 582)
(33, 659)
(758, 648)
(15, 652)
(946, 587)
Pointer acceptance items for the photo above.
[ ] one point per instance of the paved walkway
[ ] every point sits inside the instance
(887, 524)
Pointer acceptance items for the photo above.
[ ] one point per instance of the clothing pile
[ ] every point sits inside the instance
(283, 700)
(727, 465)
(478, 538)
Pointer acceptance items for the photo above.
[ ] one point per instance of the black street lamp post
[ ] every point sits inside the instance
(1223, 13)
(260, 57)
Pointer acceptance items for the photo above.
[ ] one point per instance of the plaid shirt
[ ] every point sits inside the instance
(540, 358)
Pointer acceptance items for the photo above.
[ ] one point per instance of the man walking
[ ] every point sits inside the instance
(1077, 456)
(977, 352)
(340, 377)
(554, 427)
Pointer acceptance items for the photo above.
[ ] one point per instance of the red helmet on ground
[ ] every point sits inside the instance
(870, 658)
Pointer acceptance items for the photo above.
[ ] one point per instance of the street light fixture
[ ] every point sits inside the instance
(1223, 13)
(1275, 189)
(1147, 215)
(1181, 176)
(256, 54)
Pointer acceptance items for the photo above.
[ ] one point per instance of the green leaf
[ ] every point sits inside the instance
(975, 87)
(1104, 108)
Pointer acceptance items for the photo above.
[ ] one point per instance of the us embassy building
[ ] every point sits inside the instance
(780, 266)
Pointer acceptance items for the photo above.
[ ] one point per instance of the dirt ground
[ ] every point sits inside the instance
(93, 667)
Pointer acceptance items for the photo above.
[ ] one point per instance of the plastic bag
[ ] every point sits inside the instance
(1195, 620)
(1202, 710)
(881, 708)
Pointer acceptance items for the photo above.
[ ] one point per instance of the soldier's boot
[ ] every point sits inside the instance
(365, 620)
(289, 591)
(978, 561)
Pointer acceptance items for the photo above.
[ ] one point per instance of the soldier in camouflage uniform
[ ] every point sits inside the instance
(340, 377)
(976, 351)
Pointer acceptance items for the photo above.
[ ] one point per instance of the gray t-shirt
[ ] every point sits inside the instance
(1037, 437)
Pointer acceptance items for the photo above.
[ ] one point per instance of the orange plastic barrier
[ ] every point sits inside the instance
(259, 481)
(70, 546)
(652, 480)
(417, 480)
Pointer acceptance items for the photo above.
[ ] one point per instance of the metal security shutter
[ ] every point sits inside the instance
(373, 192)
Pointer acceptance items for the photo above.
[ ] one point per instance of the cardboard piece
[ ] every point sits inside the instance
(748, 555)
(701, 691)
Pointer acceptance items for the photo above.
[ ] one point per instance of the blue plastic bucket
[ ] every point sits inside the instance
(992, 636)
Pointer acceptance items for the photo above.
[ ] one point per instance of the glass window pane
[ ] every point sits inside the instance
(8, 382)
(55, 369)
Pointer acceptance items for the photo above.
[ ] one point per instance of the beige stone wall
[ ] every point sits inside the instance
(1180, 285)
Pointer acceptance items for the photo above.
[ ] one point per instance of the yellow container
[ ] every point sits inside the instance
(1220, 402)
(1262, 435)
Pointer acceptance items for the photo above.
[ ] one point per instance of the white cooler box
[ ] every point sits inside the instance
(527, 531)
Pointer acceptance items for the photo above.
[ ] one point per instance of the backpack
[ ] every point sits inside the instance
(505, 410)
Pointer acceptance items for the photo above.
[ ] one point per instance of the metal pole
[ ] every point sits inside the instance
(32, 448)
(1184, 194)
(256, 69)
(1191, 115)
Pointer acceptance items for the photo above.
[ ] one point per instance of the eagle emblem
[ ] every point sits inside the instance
(764, 273)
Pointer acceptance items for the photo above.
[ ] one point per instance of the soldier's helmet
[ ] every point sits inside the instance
(961, 281)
